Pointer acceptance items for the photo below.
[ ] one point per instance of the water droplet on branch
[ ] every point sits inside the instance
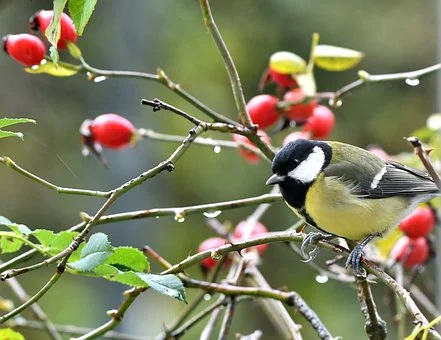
(412, 81)
(321, 278)
(180, 216)
(99, 79)
(212, 214)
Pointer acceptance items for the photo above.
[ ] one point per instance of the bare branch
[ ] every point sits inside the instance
(375, 327)
(228, 63)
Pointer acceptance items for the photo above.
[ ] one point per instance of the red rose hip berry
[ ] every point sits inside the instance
(321, 123)
(248, 155)
(248, 229)
(419, 223)
(301, 111)
(411, 251)
(296, 135)
(26, 49)
(41, 20)
(210, 243)
(281, 79)
(263, 110)
(112, 131)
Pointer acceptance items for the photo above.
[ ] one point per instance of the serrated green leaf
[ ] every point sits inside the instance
(9, 334)
(10, 245)
(19, 229)
(62, 241)
(54, 70)
(97, 243)
(4, 134)
(94, 253)
(53, 30)
(44, 236)
(4, 221)
(128, 258)
(74, 50)
(169, 285)
(334, 58)
(80, 12)
(12, 121)
(112, 273)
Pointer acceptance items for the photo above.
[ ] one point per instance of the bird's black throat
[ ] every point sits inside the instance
(294, 193)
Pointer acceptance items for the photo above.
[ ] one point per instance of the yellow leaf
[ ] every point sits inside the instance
(287, 63)
(49, 67)
(333, 58)
(306, 82)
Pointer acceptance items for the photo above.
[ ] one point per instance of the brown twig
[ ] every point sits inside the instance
(425, 159)
(375, 327)
(228, 62)
(365, 78)
(161, 78)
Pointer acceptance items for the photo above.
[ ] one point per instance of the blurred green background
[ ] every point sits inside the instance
(145, 34)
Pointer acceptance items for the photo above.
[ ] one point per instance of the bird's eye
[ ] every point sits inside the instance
(296, 161)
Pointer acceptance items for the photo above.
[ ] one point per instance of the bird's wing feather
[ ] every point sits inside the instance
(393, 179)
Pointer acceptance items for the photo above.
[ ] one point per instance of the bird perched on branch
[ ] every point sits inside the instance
(346, 191)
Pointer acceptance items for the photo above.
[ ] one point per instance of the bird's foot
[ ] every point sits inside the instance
(354, 258)
(311, 240)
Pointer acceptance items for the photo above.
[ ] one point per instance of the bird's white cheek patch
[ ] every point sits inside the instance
(308, 170)
(378, 178)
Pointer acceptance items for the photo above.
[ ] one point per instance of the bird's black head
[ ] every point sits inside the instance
(298, 164)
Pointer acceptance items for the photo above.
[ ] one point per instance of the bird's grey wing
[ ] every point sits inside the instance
(390, 179)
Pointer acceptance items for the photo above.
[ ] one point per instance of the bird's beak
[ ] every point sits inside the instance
(275, 179)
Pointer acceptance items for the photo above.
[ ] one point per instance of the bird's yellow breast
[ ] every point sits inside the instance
(335, 210)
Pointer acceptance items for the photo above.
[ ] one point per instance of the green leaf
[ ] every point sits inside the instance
(128, 258)
(4, 221)
(168, 285)
(74, 50)
(12, 121)
(9, 334)
(4, 134)
(94, 253)
(10, 245)
(334, 58)
(65, 70)
(62, 241)
(112, 273)
(45, 237)
(19, 229)
(53, 30)
(80, 12)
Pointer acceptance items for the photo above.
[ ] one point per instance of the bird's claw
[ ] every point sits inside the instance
(312, 239)
(354, 260)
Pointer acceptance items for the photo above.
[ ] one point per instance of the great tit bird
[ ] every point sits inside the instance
(346, 191)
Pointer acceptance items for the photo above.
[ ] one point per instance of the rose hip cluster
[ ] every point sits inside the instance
(28, 49)
(265, 110)
(413, 248)
(243, 230)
